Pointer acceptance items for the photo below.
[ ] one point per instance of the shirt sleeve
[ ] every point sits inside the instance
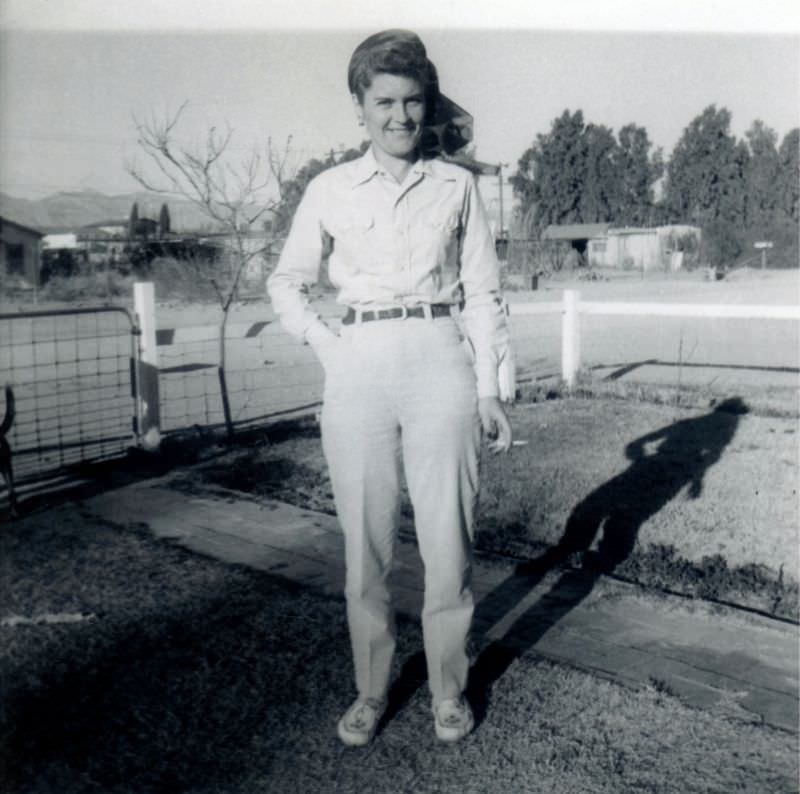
(298, 268)
(483, 315)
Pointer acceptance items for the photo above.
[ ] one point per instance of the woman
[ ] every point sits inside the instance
(413, 260)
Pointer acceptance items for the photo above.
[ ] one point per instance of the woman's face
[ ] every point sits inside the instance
(393, 109)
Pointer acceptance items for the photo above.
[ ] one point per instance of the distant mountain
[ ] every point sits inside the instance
(70, 211)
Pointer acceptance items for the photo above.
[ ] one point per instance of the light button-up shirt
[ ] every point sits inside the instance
(423, 241)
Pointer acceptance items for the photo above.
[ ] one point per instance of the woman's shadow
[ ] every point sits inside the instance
(600, 533)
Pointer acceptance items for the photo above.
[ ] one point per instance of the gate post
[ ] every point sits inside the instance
(570, 338)
(147, 398)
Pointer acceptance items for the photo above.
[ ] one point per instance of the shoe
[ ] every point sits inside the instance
(453, 718)
(358, 725)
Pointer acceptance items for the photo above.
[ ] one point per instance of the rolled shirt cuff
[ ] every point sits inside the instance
(486, 377)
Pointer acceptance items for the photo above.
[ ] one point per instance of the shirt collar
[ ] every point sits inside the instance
(367, 167)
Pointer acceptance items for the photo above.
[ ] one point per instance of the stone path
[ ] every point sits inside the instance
(739, 663)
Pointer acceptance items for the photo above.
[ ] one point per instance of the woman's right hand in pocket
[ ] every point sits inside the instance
(325, 344)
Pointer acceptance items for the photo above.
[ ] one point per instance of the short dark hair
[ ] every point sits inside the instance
(399, 52)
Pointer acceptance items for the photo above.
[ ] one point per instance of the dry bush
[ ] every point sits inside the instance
(187, 280)
(87, 287)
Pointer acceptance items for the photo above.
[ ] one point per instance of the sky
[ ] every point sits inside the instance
(74, 74)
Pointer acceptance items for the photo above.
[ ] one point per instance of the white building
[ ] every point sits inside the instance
(654, 248)
(53, 242)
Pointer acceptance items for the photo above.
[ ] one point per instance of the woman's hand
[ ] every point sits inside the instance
(495, 423)
(323, 342)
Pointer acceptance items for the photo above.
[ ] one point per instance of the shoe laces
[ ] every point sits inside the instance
(455, 713)
(363, 713)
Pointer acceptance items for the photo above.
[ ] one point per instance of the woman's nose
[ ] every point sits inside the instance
(400, 114)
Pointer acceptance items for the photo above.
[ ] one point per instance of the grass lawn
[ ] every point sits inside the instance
(701, 501)
(172, 672)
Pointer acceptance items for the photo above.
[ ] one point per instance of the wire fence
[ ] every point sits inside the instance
(74, 372)
(72, 376)
(267, 374)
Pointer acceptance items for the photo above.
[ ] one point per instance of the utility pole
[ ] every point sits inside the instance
(500, 167)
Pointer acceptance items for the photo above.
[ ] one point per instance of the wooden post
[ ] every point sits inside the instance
(147, 397)
(507, 368)
(570, 338)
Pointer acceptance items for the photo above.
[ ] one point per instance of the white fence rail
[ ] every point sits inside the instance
(269, 374)
(571, 308)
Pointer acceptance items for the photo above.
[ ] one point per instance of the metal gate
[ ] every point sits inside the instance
(74, 377)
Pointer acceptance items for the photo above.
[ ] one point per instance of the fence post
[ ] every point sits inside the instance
(570, 338)
(507, 368)
(147, 398)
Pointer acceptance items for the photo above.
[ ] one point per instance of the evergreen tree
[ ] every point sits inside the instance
(601, 179)
(637, 171)
(550, 174)
(706, 172)
(788, 185)
(164, 221)
(763, 174)
(133, 222)
(581, 173)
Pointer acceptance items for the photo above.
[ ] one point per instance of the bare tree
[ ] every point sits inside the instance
(232, 194)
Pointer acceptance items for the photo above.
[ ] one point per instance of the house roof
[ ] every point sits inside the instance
(652, 229)
(575, 231)
(634, 230)
(7, 221)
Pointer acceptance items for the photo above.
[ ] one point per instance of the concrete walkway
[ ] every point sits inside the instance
(738, 663)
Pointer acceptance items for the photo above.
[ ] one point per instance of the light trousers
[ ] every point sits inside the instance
(402, 393)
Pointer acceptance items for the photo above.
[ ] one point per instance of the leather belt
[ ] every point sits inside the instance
(397, 313)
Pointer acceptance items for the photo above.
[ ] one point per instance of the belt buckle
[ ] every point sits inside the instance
(403, 312)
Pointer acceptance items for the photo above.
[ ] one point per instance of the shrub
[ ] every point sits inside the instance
(184, 279)
(725, 245)
(62, 262)
(785, 252)
(721, 244)
(83, 287)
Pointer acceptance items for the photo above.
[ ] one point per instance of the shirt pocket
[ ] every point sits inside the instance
(441, 238)
(351, 227)
(444, 223)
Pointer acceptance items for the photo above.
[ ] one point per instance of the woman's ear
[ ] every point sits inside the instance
(358, 108)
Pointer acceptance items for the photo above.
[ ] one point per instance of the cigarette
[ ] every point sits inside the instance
(518, 443)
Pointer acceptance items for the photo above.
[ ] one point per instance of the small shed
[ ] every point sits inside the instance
(649, 248)
(20, 251)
